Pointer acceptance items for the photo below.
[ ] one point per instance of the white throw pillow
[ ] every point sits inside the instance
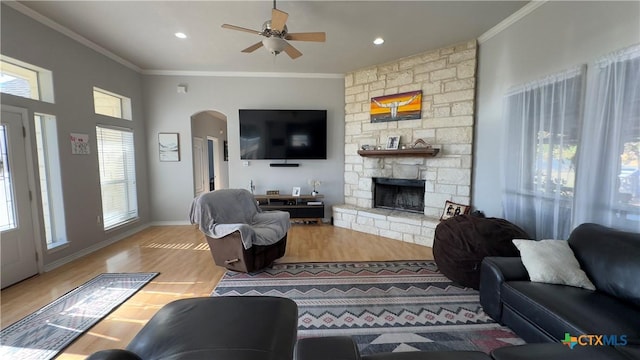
(553, 262)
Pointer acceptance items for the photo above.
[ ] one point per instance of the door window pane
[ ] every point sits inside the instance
(7, 199)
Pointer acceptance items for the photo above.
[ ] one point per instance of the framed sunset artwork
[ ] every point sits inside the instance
(404, 106)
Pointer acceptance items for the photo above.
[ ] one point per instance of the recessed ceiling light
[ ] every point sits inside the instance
(378, 41)
(180, 35)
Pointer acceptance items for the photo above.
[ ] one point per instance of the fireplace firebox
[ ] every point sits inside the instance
(399, 194)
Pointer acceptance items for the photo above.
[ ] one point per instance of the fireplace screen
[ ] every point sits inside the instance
(399, 194)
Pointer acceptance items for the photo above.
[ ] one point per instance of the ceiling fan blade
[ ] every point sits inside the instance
(278, 19)
(292, 52)
(233, 27)
(253, 47)
(309, 36)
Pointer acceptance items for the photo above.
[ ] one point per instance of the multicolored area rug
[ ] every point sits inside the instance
(383, 306)
(46, 332)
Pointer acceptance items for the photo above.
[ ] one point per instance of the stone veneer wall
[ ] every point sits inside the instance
(446, 77)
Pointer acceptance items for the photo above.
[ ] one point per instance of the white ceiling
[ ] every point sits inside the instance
(142, 32)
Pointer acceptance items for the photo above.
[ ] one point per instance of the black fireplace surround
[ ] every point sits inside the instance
(399, 194)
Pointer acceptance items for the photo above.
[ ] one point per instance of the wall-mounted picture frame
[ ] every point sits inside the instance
(403, 106)
(452, 209)
(79, 144)
(169, 146)
(295, 191)
(393, 142)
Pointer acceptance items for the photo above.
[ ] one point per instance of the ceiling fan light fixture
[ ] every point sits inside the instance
(275, 45)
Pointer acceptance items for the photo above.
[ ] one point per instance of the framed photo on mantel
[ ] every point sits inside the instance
(393, 142)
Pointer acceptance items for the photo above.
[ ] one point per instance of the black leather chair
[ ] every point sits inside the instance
(215, 328)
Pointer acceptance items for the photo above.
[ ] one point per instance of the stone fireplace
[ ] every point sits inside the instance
(446, 77)
(398, 194)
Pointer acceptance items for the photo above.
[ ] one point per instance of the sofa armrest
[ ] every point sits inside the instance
(113, 354)
(493, 272)
(330, 347)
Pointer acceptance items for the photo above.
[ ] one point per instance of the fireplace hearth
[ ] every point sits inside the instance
(399, 194)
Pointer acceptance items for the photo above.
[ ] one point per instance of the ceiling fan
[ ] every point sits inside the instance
(276, 35)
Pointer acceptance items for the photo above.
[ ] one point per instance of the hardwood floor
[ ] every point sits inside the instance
(186, 268)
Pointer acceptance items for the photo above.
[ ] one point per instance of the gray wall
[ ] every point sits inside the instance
(171, 184)
(553, 37)
(76, 70)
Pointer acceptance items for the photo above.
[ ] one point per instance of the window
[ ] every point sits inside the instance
(117, 175)
(609, 192)
(544, 125)
(25, 80)
(110, 104)
(569, 163)
(50, 180)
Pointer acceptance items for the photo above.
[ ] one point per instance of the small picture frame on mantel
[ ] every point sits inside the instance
(393, 142)
(295, 191)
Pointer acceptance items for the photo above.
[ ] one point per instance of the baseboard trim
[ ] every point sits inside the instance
(93, 248)
(170, 223)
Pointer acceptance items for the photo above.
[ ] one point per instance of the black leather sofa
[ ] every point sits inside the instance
(540, 312)
(343, 348)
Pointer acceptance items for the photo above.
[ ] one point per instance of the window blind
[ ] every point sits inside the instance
(116, 159)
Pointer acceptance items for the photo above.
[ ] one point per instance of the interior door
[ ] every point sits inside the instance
(199, 165)
(212, 172)
(18, 255)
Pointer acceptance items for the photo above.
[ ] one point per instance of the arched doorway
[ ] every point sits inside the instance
(210, 161)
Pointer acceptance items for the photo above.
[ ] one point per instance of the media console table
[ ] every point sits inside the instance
(300, 208)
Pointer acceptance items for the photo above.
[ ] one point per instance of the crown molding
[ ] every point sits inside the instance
(68, 32)
(512, 19)
(243, 74)
(90, 44)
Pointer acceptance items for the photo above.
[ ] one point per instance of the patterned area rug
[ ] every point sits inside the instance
(46, 332)
(383, 306)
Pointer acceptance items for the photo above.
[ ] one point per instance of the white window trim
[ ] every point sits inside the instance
(45, 78)
(125, 102)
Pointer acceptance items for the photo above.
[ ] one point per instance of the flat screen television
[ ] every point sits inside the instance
(283, 134)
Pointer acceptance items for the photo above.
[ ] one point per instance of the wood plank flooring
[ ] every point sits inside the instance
(186, 268)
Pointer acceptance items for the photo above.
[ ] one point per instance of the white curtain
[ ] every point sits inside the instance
(608, 183)
(544, 121)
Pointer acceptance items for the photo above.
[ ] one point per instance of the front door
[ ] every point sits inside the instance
(18, 259)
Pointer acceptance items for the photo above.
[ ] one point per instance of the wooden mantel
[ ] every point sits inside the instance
(415, 152)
